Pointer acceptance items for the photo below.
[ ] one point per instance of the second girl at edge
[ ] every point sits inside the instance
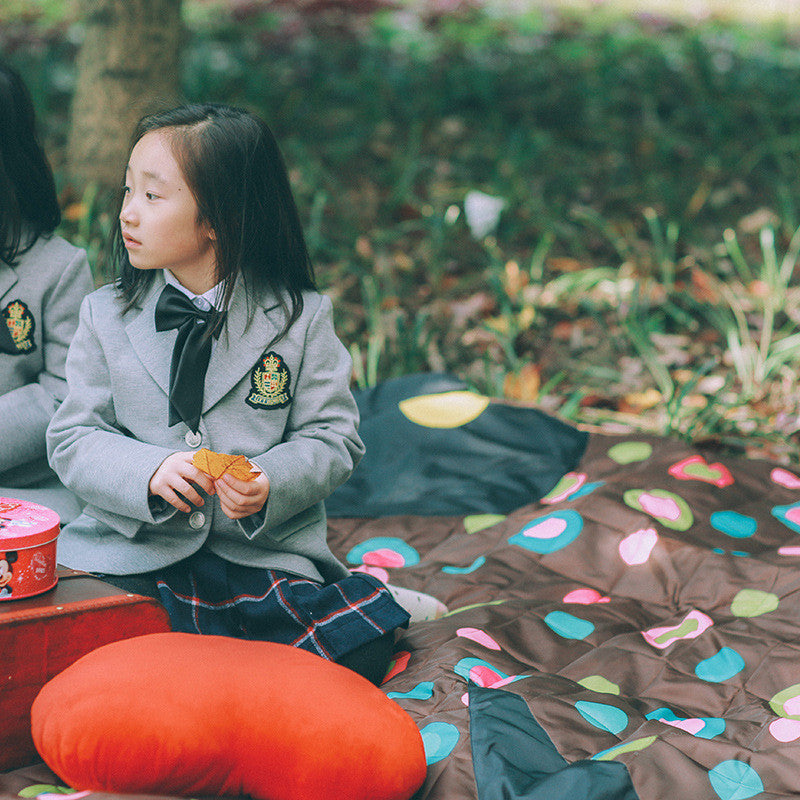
(214, 335)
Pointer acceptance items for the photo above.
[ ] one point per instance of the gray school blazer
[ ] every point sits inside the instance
(39, 301)
(287, 407)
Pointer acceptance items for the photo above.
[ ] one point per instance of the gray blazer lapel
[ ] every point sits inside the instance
(153, 348)
(237, 349)
(8, 278)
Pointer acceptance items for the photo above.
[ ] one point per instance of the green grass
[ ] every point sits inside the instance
(651, 178)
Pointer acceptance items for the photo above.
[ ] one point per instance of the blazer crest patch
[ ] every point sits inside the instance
(19, 320)
(270, 382)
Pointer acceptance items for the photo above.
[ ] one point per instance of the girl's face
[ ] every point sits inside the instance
(159, 217)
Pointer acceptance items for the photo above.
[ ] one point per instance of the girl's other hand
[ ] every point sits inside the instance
(240, 498)
(174, 478)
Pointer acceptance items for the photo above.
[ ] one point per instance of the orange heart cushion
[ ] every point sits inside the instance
(184, 714)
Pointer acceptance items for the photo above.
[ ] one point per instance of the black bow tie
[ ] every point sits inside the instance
(190, 355)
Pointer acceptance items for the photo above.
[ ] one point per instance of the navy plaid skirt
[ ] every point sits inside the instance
(206, 594)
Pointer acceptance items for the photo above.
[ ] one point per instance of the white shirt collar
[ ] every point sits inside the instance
(205, 301)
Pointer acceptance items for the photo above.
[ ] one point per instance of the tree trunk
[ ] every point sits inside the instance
(128, 65)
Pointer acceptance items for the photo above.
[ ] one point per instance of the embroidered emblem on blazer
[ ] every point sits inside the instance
(18, 318)
(270, 381)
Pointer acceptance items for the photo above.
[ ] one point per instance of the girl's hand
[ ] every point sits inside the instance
(240, 498)
(174, 478)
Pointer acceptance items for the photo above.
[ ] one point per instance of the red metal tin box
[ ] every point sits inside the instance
(28, 534)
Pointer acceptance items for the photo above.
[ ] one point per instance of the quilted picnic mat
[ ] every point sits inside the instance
(631, 630)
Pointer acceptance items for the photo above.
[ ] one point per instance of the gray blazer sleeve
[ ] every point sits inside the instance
(90, 454)
(321, 446)
(26, 411)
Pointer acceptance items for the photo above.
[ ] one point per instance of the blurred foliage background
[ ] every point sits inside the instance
(591, 211)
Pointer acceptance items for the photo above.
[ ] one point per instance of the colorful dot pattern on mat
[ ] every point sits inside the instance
(735, 780)
(636, 548)
(568, 626)
(601, 715)
(692, 625)
(49, 790)
(753, 603)
(785, 478)
(480, 672)
(551, 532)
(383, 551)
(702, 727)
(722, 666)
(568, 485)
(788, 515)
(630, 452)
(695, 468)
(479, 636)
(479, 522)
(444, 410)
(627, 747)
(422, 691)
(668, 508)
(599, 684)
(786, 703)
(449, 569)
(734, 524)
(438, 740)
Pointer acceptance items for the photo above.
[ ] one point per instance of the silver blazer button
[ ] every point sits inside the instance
(193, 439)
(197, 519)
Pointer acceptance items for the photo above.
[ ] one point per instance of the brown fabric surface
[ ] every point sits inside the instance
(725, 681)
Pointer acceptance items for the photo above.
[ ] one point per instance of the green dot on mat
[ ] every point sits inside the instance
(753, 603)
(628, 747)
(477, 522)
(787, 702)
(629, 452)
(597, 683)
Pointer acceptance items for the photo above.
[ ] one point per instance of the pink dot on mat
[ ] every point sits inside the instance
(377, 572)
(547, 529)
(479, 636)
(636, 548)
(664, 507)
(585, 597)
(785, 478)
(693, 726)
(785, 730)
(484, 676)
(383, 558)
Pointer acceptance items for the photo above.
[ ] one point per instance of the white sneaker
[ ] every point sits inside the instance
(421, 606)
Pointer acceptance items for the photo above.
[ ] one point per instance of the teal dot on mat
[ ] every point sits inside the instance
(603, 716)
(734, 524)
(720, 667)
(735, 780)
(383, 551)
(477, 563)
(568, 626)
(438, 739)
(788, 515)
(587, 488)
(422, 691)
(550, 533)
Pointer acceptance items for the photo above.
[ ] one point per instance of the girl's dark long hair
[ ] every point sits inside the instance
(28, 200)
(233, 167)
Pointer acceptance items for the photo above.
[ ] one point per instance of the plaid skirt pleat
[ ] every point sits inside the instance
(206, 594)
